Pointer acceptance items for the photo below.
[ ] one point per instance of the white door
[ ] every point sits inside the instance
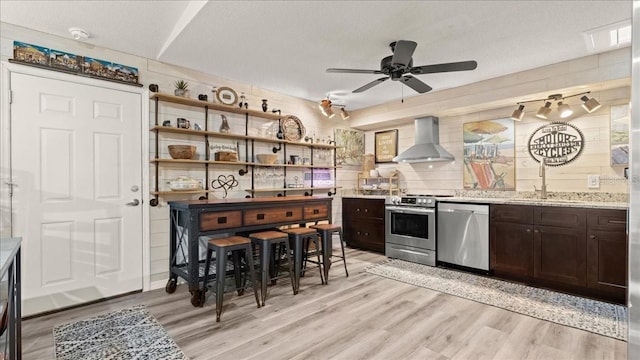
(76, 159)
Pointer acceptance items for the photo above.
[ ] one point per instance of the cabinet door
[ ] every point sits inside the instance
(368, 235)
(607, 251)
(560, 254)
(511, 249)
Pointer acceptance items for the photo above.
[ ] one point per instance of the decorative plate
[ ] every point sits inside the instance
(292, 128)
(226, 95)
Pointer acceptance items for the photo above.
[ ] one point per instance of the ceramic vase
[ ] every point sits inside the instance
(264, 105)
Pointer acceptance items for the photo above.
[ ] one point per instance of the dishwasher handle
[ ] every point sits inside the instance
(463, 208)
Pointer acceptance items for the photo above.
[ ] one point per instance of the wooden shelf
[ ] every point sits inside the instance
(175, 130)
(180, 192)
(214, 106)
(293, 189)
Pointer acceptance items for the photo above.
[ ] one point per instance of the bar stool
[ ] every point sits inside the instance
(222, 247)
(267, 240)
(300, 237)
(326, 233)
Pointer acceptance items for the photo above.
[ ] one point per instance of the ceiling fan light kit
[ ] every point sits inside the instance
(589, 104)
(396, 66)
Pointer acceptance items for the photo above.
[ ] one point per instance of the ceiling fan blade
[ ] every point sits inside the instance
(416, 84)
(402, 52)
(370, 85)
(353, 71)
(446, 67)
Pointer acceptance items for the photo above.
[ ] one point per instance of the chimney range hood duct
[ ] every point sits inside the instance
(427, 147)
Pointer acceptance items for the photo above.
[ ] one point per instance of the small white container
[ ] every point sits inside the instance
(373, 173)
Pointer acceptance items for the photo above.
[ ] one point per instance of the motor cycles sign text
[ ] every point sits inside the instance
(556, 143)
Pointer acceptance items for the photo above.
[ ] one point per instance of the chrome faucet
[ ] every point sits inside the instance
(542, 174)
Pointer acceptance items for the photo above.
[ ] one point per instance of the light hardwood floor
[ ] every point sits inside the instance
(363, 316)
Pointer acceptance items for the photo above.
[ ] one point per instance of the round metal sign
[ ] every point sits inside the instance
(557, 143)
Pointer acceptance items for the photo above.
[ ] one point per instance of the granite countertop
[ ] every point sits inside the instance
(540, 202)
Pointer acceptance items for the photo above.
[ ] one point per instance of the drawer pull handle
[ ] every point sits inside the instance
(316, 211)
(222, 220)
(358, 209)
(260, 217)
(366, 210)
(593, 237)
(289, 213)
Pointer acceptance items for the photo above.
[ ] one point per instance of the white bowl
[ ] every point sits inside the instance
(182, 183)
(386, 171)
(367, 187)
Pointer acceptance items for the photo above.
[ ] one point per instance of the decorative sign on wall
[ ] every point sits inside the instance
(489, 155)
(386, 146)
(620, 134)
(350, 144)
(558, 143)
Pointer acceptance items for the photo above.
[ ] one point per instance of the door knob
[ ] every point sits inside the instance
(135, 202)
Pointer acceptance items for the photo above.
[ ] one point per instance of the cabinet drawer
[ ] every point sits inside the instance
(220, 220)
(365, 234)
(565, 217)
(363, 208)
(272, 215)
(520, 214)
(316, 211)
(607, 219)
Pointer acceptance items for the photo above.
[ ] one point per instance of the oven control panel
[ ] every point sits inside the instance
(422, 201)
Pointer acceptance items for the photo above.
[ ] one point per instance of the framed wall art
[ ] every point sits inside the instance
(489, 155)
(619, 139)
(386, 145)
(350, 144)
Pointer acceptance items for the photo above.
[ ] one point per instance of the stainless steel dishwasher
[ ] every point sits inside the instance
(463, 235)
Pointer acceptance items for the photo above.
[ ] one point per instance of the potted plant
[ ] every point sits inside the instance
(181, 88)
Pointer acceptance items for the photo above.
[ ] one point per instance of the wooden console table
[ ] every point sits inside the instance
(189, 220)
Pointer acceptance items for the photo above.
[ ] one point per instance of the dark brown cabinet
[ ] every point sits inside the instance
(607, 249)
(363, 223)
(570, 249)
(559, 245)
(511, 241)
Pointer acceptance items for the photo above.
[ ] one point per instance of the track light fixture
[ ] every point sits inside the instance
(564, 110)
(589, 104)
(344, 113)
(325, 107)
(518, 113)
(544, 111)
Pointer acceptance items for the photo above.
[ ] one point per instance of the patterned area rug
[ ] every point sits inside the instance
(586, 314)
(124, 334)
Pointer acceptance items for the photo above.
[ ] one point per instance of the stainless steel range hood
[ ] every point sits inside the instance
(427, 147)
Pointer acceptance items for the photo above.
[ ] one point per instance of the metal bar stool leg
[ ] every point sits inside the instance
(344, 258)
(252, 273)
(221, 267)
(206, 277)
(314, 238)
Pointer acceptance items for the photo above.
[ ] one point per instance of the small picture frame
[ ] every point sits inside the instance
(64, 60)
(29, 53)
(386, 146)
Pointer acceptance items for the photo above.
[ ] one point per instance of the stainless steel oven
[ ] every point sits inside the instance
(410, 228)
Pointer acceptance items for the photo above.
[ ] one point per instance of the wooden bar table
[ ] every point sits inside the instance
(189, 220)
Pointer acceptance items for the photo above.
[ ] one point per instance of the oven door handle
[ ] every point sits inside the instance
(404, 210)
